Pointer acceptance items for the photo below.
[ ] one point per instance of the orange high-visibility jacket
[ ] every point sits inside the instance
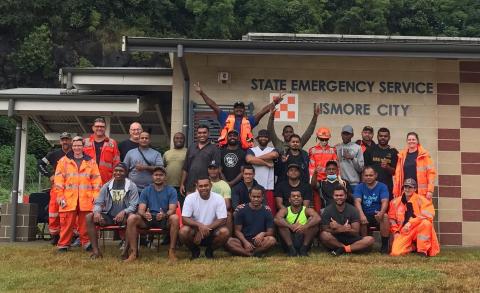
(319, 157)
(246, 136)
(423, 210)
(77, 186)
(425, 172)
(109, 157)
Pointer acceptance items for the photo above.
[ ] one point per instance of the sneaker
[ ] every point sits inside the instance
(121, 245)
(62, 250)
(54, 239)
(76, 242)
(337, 252)
(303, 251)
(195, 253)
(292, 251)
(209, 252)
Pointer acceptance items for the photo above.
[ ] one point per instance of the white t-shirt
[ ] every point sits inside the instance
(264, 175)
(204, 211)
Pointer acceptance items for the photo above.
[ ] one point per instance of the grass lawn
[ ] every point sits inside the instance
(36, 267)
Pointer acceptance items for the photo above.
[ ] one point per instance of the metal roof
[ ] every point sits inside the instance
(311, 44)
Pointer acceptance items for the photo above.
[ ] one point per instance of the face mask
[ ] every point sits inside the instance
(332, 177)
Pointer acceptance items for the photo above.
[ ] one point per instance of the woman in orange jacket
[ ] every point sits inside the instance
(415, 162)
(411, 221)
(77, 183)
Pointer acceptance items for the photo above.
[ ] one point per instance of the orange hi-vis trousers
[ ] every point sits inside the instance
(68, 221)
(53, 216)
(421, 234)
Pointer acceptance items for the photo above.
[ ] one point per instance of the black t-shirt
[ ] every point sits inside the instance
(253, 221)
(52, 158)
(197, 161)
(373, 157)
(125, 146)
(98, 150)
(410, 166)
(301, 159)
(283, 190)
(78, 161)
(327, 188)
(350, 213)
(232, 161)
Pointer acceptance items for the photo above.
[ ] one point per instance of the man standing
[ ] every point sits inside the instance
(241, 191)
(411, 217)
(102, 149)
(236, 120)
(156, 209)
(297, 225)
(350, 157)
(383, 159)
(371, 201)
(118, 199)
(321, 153)
(253, 227)
(204, 218)
(198, 157)
(51, 159)
(283, 146)
(132, 142)
(262, 157)
(77, 183)
(174, 160)
(341, 227)
(367, 139)
(141, 162)
(294, 155)
(232, 159)
(293, 182)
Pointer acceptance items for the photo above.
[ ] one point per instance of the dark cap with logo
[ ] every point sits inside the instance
(239, 104)
(65, 135)
(161, 168)
(410, 182)
(293, 165)
(213, 164)
(263, 133)
(368, 128)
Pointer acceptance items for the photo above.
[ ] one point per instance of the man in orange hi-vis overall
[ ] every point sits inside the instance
(411, 216)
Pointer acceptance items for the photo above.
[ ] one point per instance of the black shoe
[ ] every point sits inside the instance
(337, 252)
(209, 252)
(422, 254)
(384, 250)
(292, 251)
(195, 252)
(54, 239)
(303, 251)
(88, 247)
(62, 250)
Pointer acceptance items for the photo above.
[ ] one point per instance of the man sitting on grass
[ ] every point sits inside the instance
(341, 226)
(117, 199)
(204, 218)
(297, 225)
(253, 227)
(156, 209)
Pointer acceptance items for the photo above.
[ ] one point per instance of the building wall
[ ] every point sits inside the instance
(447, 119)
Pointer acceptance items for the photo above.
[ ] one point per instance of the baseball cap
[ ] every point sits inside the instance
(347, 128)
(122, 165)
(238, 104)
(161, 168)
(213, 164)
(293, 165)
(233, 131)
(410, 182)
(65, 135)
(323, 132)
(368, 128)
(263, 133)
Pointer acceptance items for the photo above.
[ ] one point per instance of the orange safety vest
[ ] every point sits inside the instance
(422, 209)
(425, 173)
(78, 187)
(246, 136)
(319, 157)
(109, 157)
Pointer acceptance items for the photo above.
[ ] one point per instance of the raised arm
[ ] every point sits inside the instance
(211, 103)
(311, 127)
(267, 108)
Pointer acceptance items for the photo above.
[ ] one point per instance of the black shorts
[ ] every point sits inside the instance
(209, 239)
(372, 222)
(107, 220)
(347, 239)
(162, 224)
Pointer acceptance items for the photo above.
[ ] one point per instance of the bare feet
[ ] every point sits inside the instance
(171, 255)
(131, 258)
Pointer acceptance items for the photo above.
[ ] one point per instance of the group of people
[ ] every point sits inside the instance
(242, 196)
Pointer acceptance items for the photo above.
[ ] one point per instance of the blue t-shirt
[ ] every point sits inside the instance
(253, 221)
(156, 200)
(222, 118)
(371, 198)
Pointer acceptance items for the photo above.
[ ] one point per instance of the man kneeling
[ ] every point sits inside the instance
(297, 225)
(253, 227)
(156, 209)
(411, 216)
(204, 218)
(117, 199)
(341, 226)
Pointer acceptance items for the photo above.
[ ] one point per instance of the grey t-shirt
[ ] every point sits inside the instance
(118, 195)
(142, 178)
